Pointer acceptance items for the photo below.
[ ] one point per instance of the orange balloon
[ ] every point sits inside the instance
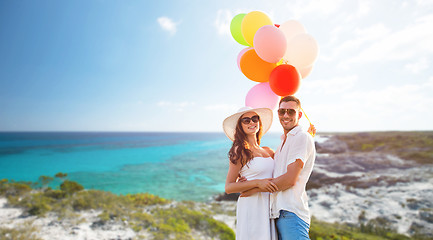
(254, 68)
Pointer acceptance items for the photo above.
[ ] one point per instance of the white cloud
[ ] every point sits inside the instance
(429, 83)
(362, 37)
(364, 7)
(424, 3)
(168, 25)
(223, 20)
(404, 44)
(418, 66)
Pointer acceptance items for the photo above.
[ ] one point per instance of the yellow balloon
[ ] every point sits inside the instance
(251, 23)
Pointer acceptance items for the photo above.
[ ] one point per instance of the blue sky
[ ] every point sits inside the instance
(171, 65)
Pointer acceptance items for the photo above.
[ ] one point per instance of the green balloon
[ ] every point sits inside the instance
(235, 29)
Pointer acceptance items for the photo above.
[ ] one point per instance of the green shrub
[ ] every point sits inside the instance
(104, 216)
(61, 176)
(71, 187)
(25, 231)
(217, 228)
(328, 231)
(145, 199)
(44, 181)
(55, 194)
(194, 219)
(14, 188)
(142, 220)
(35, 204)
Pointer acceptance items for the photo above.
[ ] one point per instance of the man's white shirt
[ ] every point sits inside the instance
(298, 145)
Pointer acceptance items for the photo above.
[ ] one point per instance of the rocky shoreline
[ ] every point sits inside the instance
(372, 187)
(371, 190)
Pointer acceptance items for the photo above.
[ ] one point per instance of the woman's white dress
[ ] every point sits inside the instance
(252, 213)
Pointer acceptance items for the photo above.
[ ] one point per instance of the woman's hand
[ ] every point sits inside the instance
(266, 185)
(241, 179)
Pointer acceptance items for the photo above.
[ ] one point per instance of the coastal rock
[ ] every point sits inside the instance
(331, 145)
(227, 197)
(426, 215)
(417, 228)
(415, 204)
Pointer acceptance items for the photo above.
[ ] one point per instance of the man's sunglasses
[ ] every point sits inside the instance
(289, 111)
(247, 120)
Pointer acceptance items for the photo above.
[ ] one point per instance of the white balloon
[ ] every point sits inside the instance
(302, 51)
(292, 28)
(305, 71)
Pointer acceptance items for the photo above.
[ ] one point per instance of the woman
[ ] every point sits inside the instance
(256, 164)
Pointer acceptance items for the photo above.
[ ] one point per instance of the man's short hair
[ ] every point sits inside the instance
(290, 98)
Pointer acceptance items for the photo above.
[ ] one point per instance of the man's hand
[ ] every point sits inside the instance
(249, 192)
(266, 185)
(312, 130)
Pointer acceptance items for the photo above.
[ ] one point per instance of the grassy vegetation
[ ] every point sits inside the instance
(142, 212)
(24, 232)
(372, 230)
(416, 146)
(161, 218)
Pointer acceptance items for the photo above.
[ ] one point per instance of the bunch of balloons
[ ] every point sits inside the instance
(276, 56)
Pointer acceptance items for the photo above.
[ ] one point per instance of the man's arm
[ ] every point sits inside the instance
(284, 181)
(233, 186)
(288, 179)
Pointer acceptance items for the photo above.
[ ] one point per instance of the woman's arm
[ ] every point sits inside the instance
(232, 186)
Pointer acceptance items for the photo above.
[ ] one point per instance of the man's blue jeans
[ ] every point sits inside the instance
(291, 227)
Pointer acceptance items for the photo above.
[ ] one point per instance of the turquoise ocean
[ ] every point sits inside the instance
(180, 166)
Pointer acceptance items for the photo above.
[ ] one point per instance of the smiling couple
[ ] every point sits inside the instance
(273, 202)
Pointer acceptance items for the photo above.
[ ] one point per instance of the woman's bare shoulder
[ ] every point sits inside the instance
(269, 150)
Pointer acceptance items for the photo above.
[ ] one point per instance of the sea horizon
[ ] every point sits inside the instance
(144, 131)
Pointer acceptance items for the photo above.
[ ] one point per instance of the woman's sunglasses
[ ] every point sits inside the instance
(289, 111)
(247, 120)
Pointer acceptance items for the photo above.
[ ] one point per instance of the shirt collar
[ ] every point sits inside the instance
(292, 132)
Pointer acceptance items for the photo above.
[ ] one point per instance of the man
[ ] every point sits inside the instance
(294, 160)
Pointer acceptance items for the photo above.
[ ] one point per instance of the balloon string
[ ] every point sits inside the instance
(306, 116)
(312, 134)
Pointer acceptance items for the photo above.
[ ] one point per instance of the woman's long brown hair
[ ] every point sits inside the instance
(240, 149)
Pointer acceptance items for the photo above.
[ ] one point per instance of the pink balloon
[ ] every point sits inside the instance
(240, 56)
(261, 95)
(270, 43)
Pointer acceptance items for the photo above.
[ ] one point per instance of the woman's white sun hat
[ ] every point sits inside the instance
(229, 124)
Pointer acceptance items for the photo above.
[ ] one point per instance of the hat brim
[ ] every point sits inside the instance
(229, 124)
